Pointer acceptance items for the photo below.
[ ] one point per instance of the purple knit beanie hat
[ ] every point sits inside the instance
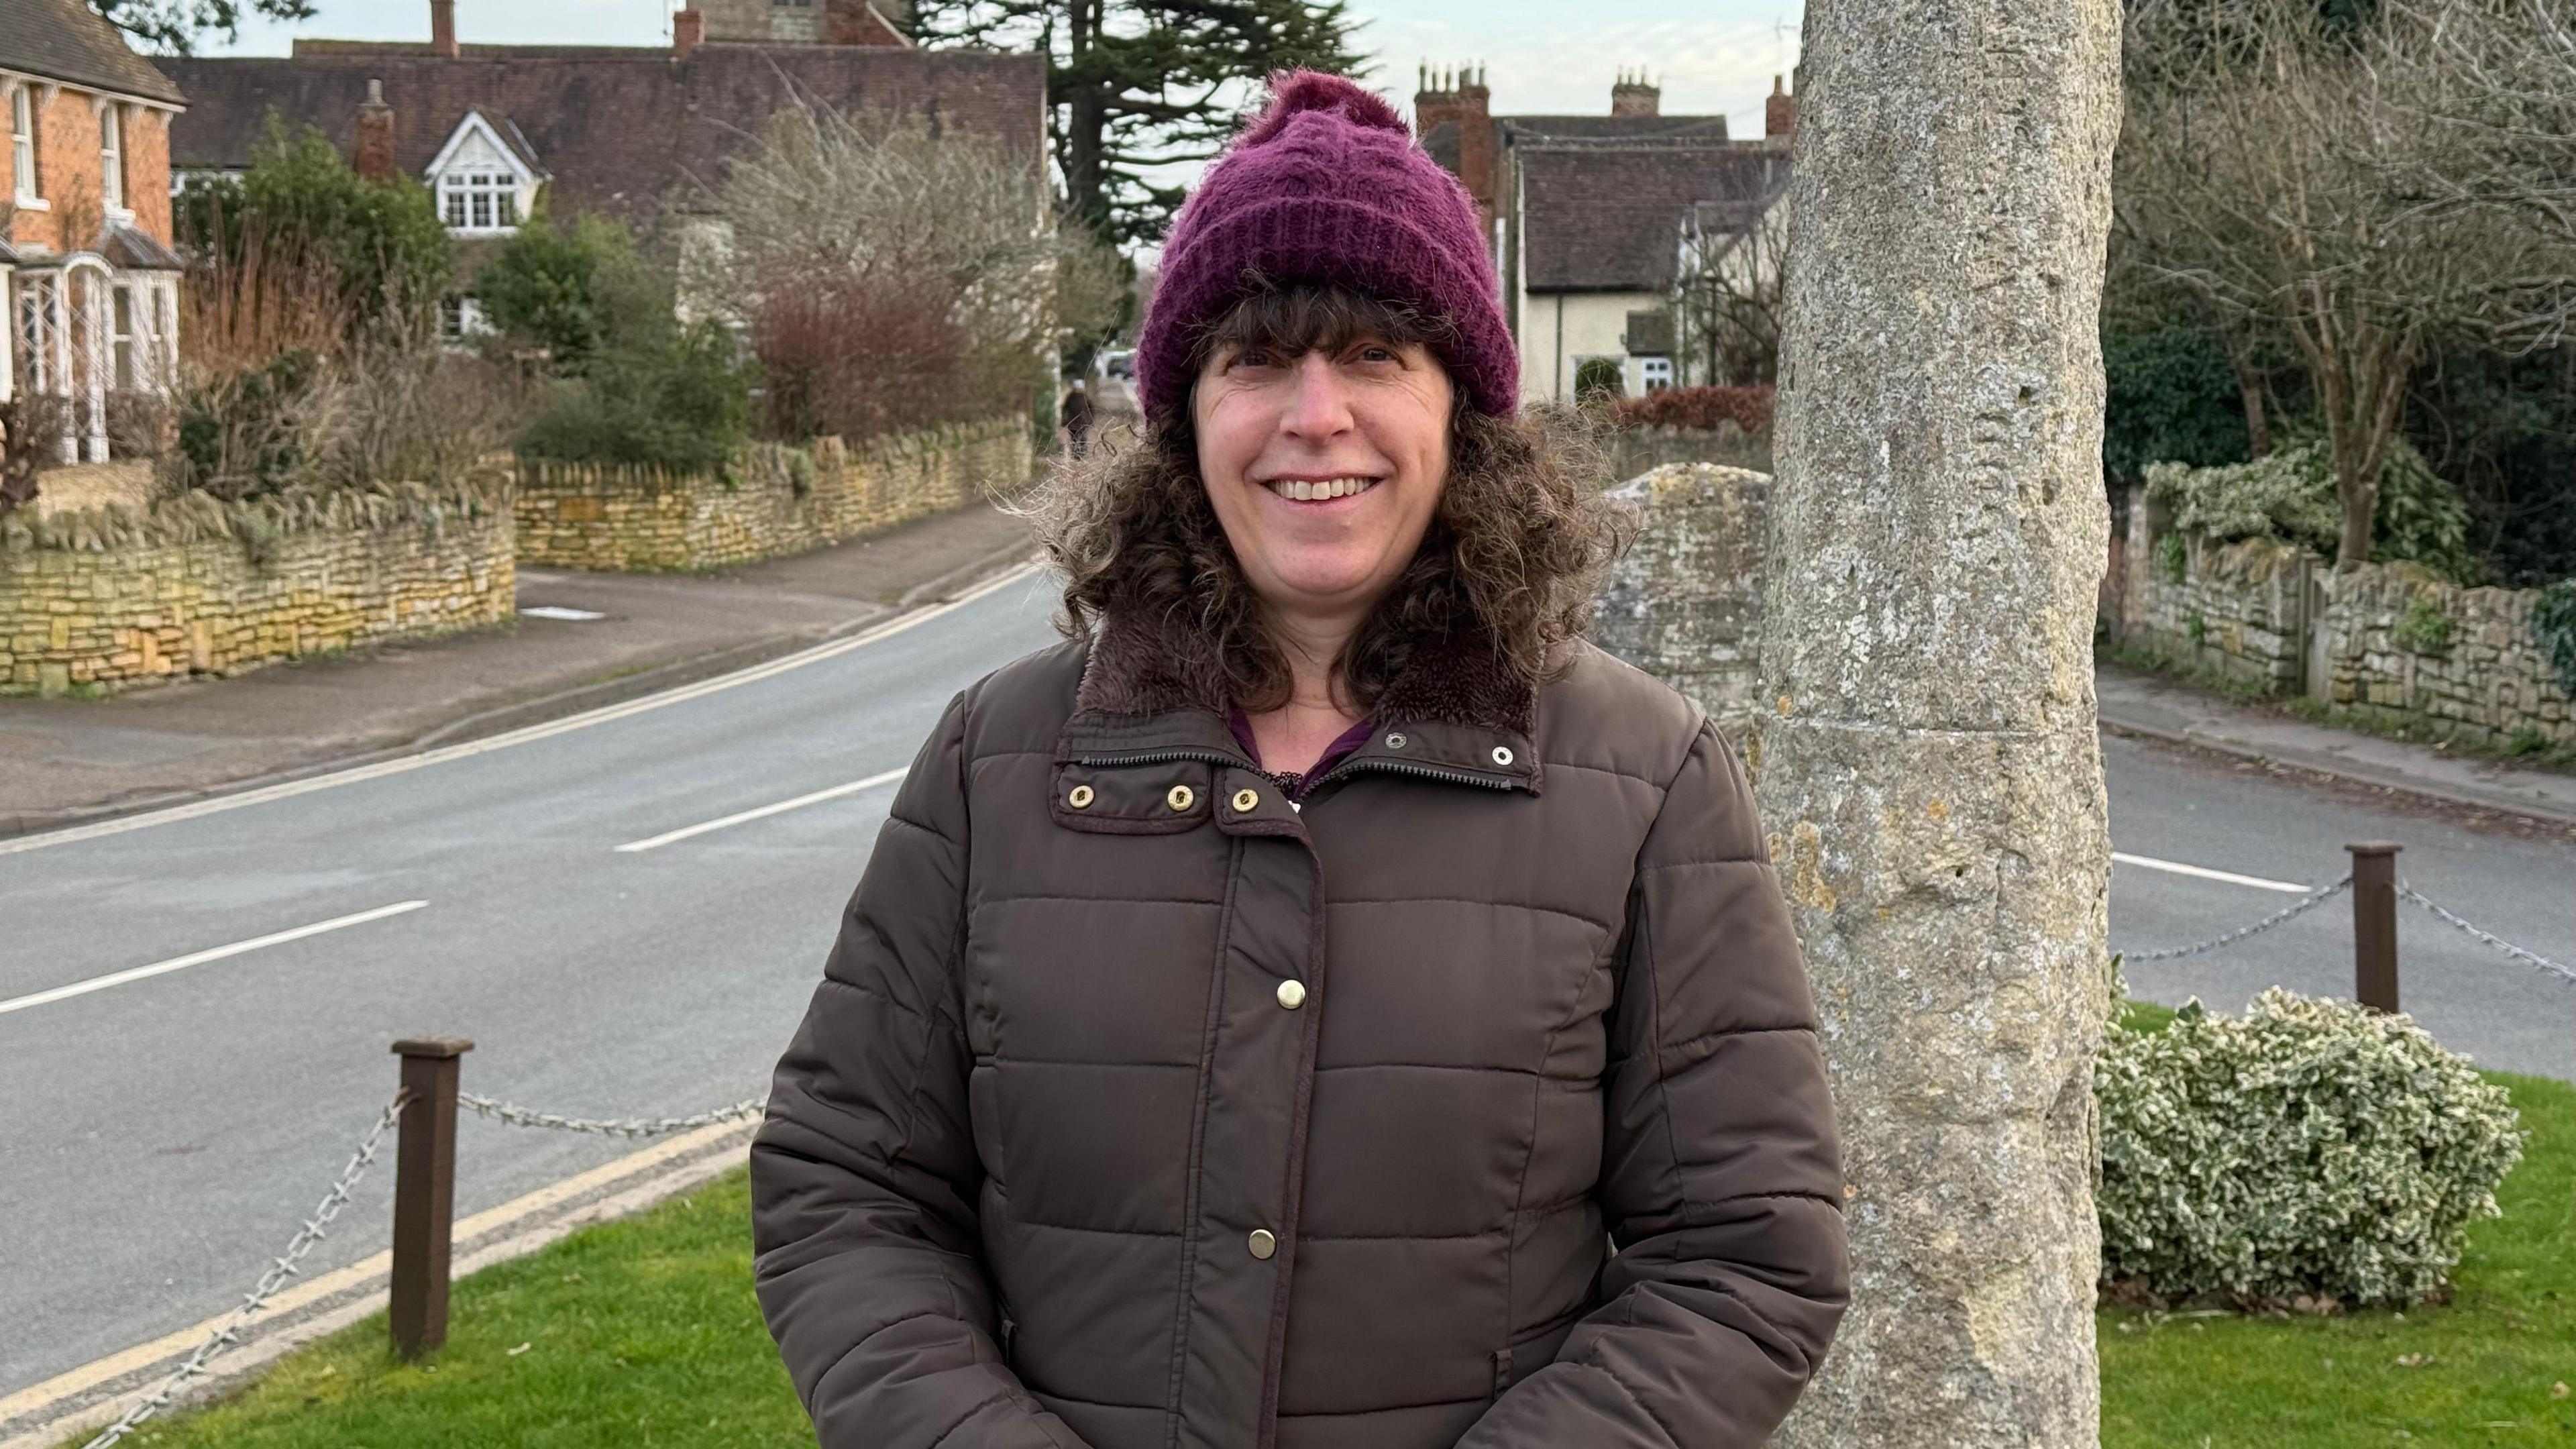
(1327, 186)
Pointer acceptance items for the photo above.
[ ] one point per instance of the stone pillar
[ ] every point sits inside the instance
(1926, 756)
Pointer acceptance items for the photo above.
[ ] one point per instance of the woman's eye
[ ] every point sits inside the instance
(1253, 357)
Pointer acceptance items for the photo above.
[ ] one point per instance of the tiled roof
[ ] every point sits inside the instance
(624, 131)
(133, 248)
(1613, 128)
(64, 40)
(1606, 216)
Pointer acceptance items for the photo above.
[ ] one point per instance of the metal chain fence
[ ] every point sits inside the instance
(2304, 906)
(517, 1116)
(2529, 958)
(229, 1332)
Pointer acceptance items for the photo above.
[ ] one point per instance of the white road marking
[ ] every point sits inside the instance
(818, 797)
(200, 958)
(550, 728)
(558, 611)
(2203, 872)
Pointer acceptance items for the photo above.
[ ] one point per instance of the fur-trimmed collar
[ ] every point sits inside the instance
(1147, 664)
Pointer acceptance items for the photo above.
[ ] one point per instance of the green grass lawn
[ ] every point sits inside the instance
(634, 1333)
(644, 1332)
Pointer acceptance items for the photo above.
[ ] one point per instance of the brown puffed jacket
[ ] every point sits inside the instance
(1472, 1099)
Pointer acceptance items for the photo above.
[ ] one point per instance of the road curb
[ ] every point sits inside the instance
(2347, 773)
(518, 714)
(94, 1395)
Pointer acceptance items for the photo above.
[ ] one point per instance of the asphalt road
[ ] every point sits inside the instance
(160, 1138)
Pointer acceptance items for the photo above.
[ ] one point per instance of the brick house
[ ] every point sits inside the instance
(87, 276)
(1588, 216)
(640, 133)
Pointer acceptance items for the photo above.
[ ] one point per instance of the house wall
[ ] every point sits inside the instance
(779, 501)
(68, 177)
(1559, 327)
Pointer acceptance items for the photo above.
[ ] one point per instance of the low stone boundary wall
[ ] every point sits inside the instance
(1637, 450)
(109, 599)
(2393, 637)
(777, 501)
(1685, 602)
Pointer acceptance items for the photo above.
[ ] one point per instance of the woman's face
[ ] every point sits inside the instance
(1324, 468)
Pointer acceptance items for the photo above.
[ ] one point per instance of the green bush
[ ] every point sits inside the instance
(2308, 1147)
(2424, 628)
(632, 384)
(2173, 556)
(2170, 395)
(572, 290)
(298, 201)
(679, 402)
(2290, 495)
(1597, 377)
(2553, 629)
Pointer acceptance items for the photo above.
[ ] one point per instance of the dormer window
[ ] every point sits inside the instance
(111, 156)
(479, 201)
(485, 177)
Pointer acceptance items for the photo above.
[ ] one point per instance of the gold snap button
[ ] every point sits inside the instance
(1244, 800)
(1079, 797)
(1181, 797)
(1395, 742)
(1502, 755)
(1292, 994)
(1262, 1244)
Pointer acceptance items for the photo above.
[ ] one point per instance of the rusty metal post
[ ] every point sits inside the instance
(424, 1192)
(2374, 923)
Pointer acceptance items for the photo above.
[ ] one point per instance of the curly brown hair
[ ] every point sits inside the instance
(1508, 564)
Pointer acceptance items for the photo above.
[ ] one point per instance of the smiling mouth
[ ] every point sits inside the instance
(1319, 490)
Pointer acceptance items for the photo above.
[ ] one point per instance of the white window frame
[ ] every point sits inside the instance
(479, 203)
(24, 178)
(473, 200)
(111, 160)
(1654, 374)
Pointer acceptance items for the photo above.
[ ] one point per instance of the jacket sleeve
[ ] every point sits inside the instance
(864, 1174)
(1721, 1174)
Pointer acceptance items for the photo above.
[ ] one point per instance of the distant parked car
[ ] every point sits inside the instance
(1119, 363)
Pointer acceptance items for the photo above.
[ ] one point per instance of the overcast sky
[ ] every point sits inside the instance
(1535, 58)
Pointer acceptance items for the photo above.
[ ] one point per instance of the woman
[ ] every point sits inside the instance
(1264, 1013)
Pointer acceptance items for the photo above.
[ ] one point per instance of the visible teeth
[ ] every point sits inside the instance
(1306, 492)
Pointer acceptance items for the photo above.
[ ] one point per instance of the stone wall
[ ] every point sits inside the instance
(1685, 602)
(2288, 621)
(778, 501)
(108, 600)
(1637, 450)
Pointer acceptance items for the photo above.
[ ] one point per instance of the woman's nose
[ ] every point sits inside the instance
(1320, 405)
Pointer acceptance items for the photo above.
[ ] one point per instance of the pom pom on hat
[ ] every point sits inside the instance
(1327, 186)
(1293, 92)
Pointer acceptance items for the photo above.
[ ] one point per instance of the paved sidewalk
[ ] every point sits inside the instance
(2159, 708)
(63, 760)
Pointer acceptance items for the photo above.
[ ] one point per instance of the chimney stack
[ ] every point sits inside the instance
(1779, 112)
(373, 153)
(442, 28)
(1633, 96)
(688, 31)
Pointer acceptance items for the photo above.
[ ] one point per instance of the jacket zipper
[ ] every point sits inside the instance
(1303, 787)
